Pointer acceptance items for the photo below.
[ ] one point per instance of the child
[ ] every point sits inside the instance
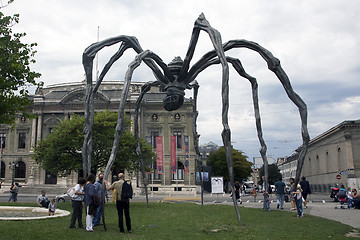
(299, 200)
(267, 200)
(52, 207)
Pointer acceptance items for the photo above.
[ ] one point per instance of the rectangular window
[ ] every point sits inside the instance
(153, 138)
(2, 140)
(22, 140)
(178, 139)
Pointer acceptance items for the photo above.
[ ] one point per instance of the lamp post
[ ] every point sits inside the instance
(12, 166)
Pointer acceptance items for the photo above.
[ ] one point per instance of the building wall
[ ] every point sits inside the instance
(335, 152)
(55, 103)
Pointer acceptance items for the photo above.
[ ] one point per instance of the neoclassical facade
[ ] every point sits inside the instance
(333, 158)
(57, 102)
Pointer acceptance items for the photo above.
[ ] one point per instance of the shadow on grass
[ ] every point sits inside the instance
(182, 221)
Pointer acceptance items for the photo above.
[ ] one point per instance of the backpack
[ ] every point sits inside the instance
(127, 191)
(341, 194)
(71, 192)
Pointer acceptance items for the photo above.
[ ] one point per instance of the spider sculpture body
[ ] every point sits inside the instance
(177, 76)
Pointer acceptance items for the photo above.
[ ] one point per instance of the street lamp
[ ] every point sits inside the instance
(12, 166)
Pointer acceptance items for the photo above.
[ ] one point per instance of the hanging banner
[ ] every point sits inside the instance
(187, 154)
(159, 155)
(173, 153)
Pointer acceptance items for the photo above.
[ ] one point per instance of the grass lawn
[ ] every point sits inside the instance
(181, 221)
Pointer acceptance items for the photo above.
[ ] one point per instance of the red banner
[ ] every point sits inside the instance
(173, 153)
(159, 155)
(187, 157)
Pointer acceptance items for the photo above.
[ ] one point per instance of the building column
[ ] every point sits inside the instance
(33, 134)
(39, 128)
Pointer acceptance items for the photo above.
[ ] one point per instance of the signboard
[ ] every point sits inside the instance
(187, 157)
(173, 154)
(217, 185)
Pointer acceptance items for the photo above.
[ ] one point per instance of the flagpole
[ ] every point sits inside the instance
(1, 157)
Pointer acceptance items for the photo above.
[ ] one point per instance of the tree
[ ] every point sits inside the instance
(242, 167)
(274, 174)
(15, 74)
(60, 151)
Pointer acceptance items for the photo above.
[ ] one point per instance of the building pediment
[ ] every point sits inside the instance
(77, 96)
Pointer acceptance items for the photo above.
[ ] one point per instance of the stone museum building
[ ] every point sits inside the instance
(55, 103)
(333, 158)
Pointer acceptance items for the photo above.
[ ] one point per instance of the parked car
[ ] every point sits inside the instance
(248, 187)
(63, 198)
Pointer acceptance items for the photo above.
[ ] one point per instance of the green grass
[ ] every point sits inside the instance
(181, 221)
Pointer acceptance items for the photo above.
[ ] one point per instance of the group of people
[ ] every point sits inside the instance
(91, 192)
(43, 201)
(298, 195)
(350, 196)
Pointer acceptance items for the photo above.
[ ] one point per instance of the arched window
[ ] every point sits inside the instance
(339, 158)
(327, 161)
(318, 164)
(20, 169)
(50, 178)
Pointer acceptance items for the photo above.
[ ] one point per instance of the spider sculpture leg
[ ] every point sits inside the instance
(202, 24)
(144, 89)
(274, 66)
(88, 58)
(120, 124)
(195, 86)
(254, 85)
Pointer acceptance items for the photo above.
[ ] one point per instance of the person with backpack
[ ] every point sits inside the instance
(124, 194)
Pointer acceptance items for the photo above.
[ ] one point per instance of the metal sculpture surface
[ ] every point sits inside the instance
(174, 79)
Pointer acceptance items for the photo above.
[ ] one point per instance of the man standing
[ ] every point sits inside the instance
(122, 203)
(305, 186)
(280, 193)
(98, 189)
(89, 194)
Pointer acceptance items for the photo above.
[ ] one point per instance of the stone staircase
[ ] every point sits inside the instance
(36, 190)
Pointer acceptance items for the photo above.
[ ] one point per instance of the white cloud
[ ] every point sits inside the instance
(317, 43)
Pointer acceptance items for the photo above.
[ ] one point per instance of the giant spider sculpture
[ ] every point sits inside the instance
(174, 79)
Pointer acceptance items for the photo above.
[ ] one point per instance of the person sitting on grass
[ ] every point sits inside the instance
(43, 200)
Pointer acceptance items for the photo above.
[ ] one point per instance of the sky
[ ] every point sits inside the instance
(317, 43)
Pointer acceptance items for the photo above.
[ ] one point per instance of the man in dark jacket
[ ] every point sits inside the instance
(305, 186)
